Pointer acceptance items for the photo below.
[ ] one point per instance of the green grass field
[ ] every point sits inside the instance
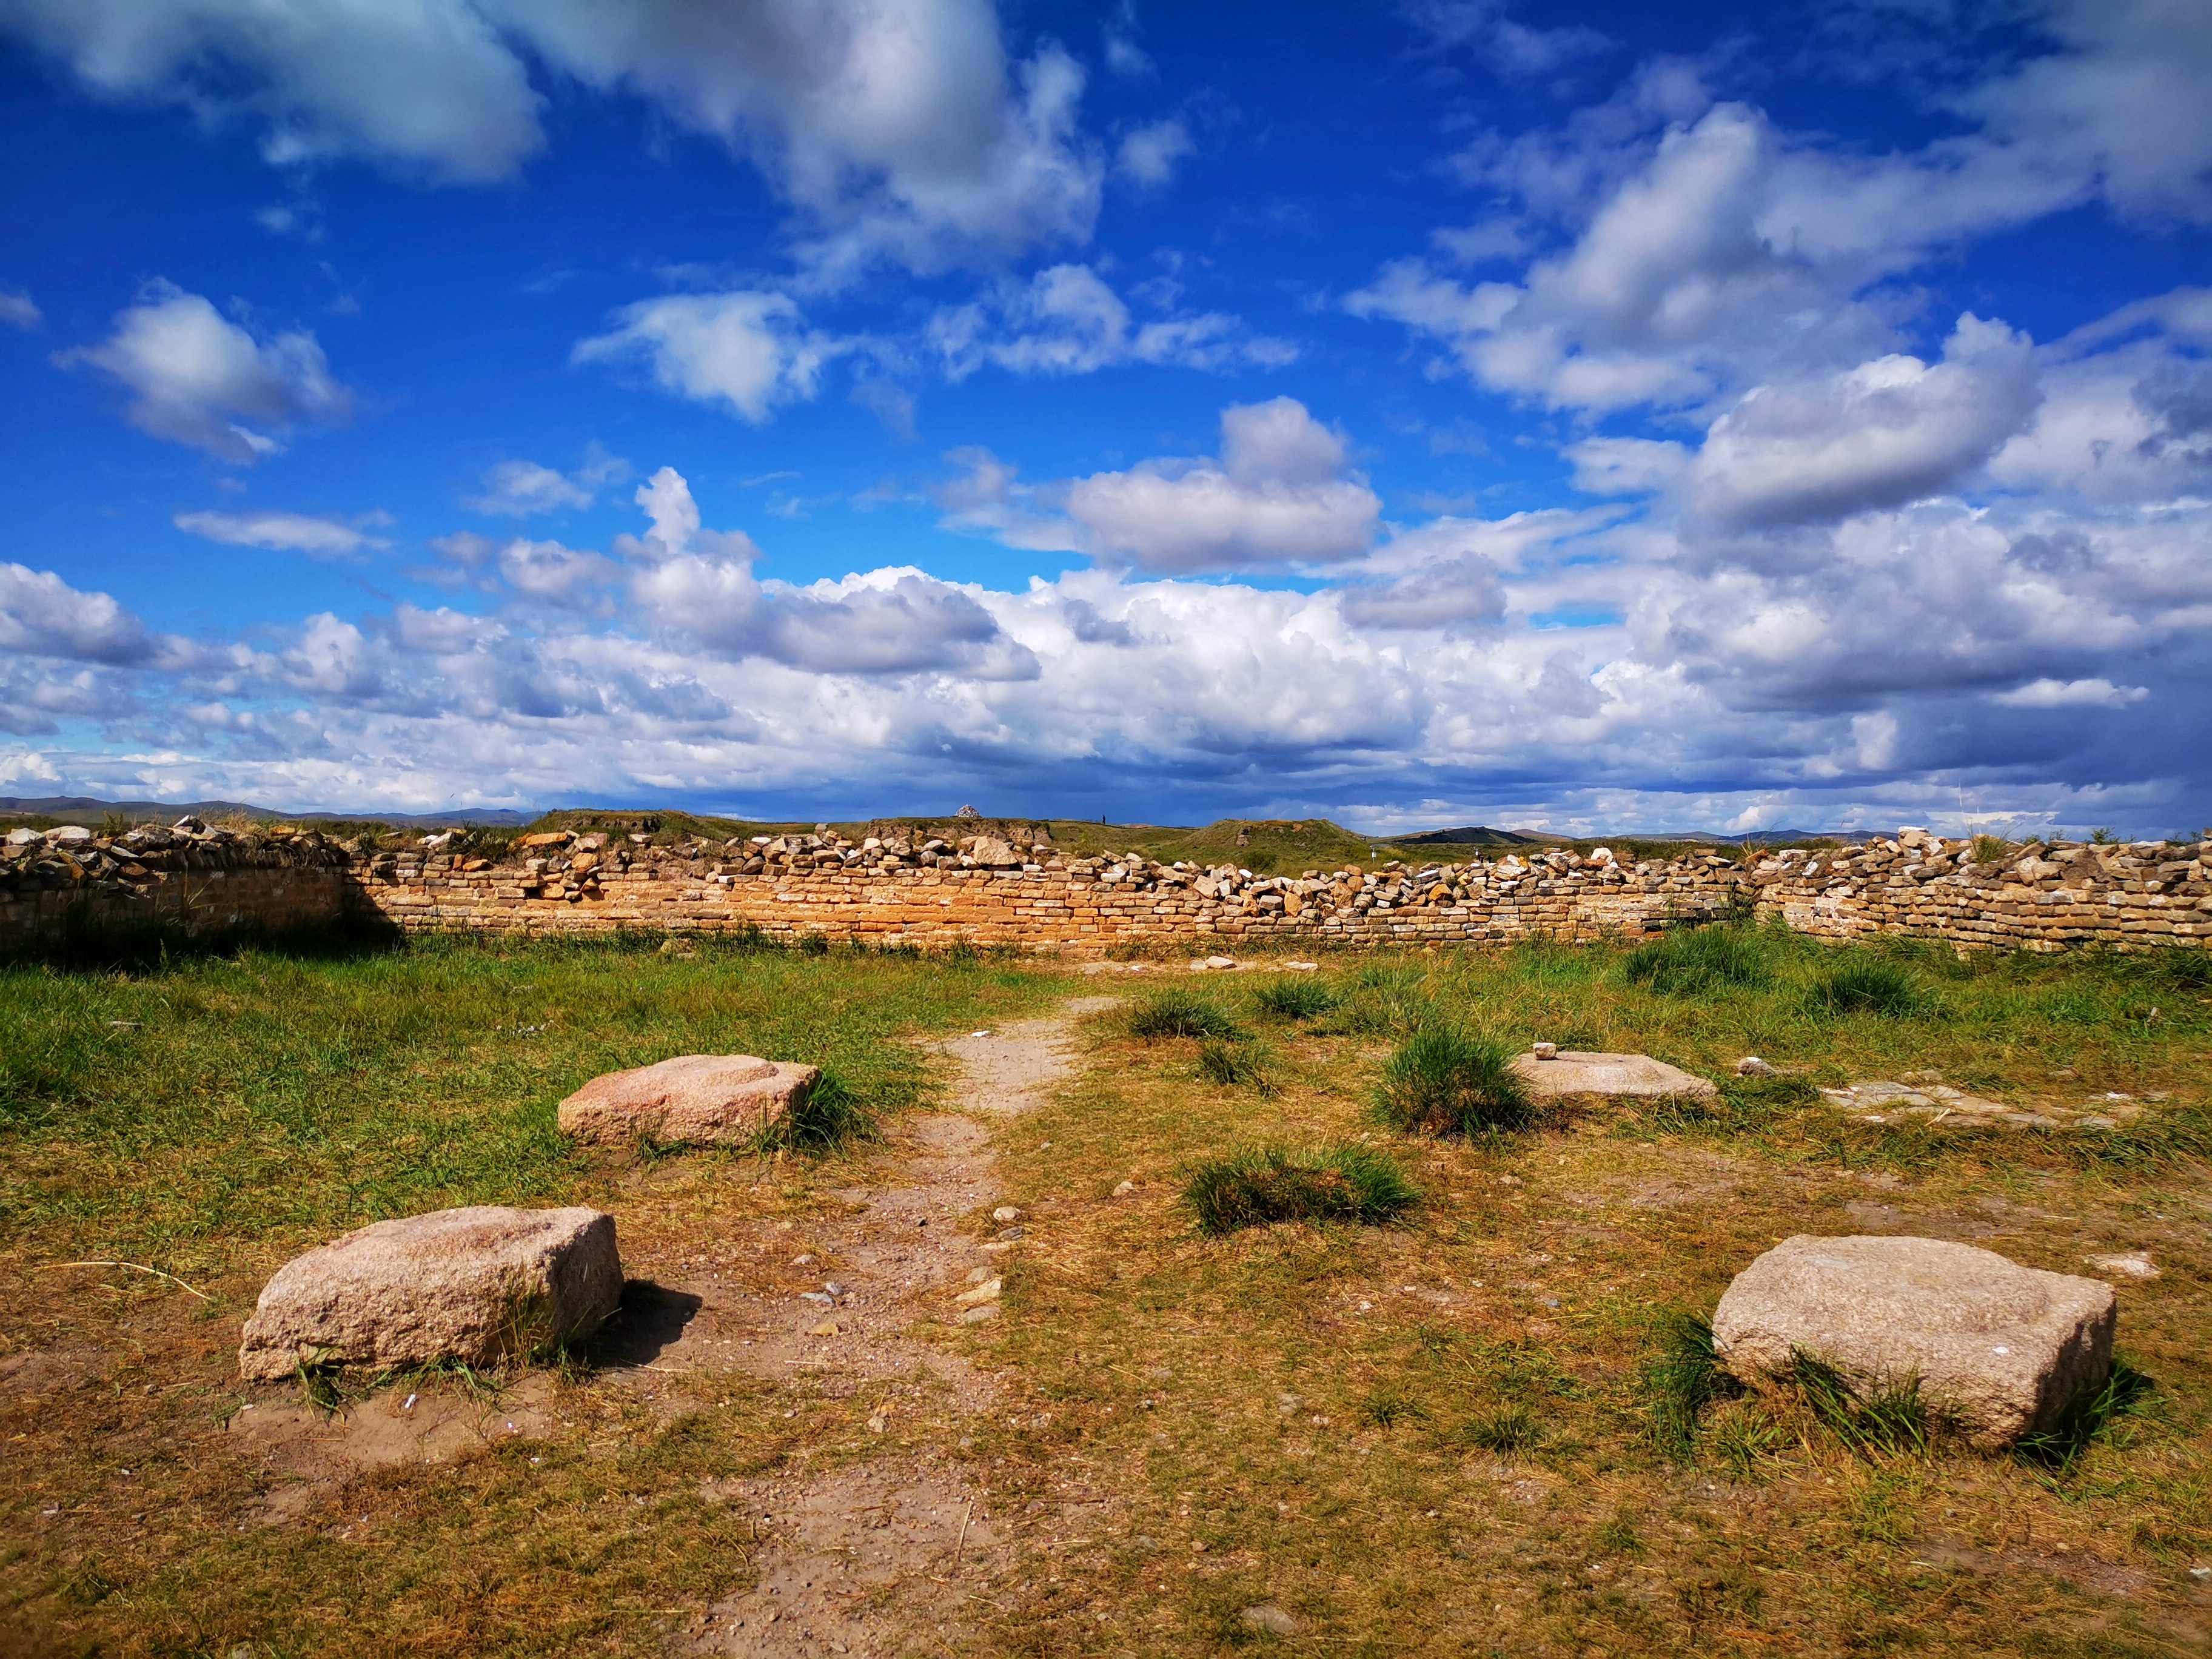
(1456, 1431)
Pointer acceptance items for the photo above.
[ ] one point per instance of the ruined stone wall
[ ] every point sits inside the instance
(982, 890)
(191, 879)
(887, 891)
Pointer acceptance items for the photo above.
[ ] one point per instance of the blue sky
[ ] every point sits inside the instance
(1592, 416)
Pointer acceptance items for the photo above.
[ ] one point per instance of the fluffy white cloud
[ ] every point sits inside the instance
(1705, 250)
(750, 350)
(427, 84)
(894, 127)
(1877, 435)
(204, 381)
(42, 615)
(1147, 156)
(2072, 694)
(520, 489)
(281, 532)
(692, 582)
(1281, 493)
(1626, 467)
(541, 571)
(1066, 320)
(17, 311)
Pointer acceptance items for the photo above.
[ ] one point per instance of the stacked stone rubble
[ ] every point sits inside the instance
(891, 889)
(930, 891)
(191, 876)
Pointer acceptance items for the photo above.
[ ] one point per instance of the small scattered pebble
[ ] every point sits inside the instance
(1125, 1189)
(1006, 1213)
(1276, 1622)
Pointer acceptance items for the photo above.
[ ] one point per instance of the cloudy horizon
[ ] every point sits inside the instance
(1552, 417)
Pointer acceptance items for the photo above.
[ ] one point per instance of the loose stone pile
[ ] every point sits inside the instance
(70, 856)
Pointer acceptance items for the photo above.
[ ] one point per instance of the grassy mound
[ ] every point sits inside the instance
(1261, 1185)
(1445, 1081)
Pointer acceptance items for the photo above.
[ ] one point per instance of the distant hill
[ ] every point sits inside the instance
(85, 809)
(1477, 834)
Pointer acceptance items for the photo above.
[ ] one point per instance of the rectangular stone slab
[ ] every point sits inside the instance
(725, 1098)
(482, 1285)
(1629, 1077)
(2002, 1347)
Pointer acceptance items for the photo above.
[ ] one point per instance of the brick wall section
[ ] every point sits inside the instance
(195, 882)
(2132, 896)
(2136, 895)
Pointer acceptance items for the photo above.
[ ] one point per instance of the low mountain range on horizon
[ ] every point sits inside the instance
(91, 810)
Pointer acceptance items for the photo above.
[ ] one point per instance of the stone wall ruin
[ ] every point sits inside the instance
(982, 890)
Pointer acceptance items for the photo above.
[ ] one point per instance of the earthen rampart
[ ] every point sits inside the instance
(887, 891)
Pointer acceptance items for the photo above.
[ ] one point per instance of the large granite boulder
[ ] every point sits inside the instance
(484, 1286)
(1565, 1072)
(693, 1097)
(2002, 1346)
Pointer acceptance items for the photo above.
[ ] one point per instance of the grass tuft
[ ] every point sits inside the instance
(1181, 1014)
(2106, 1413)
(1862, 985)
(832, 1115)
(1260, 1185)
(1237, 1065)
(1445, 1081)
(1692, 962)
(1503, 1430)
(1681, 1377)
(1289, 998)
(1892, 1419)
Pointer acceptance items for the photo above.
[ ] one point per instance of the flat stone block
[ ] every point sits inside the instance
(693, 1097)
(1632, 1076)
(482, 1286)
(2002, 1346)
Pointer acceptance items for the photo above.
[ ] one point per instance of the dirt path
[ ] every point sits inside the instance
(881, 1556)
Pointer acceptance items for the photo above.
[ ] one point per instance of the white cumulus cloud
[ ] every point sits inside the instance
(520, 489)
(205, 381)
(1884, 433)
(895, 128)
(750, 351)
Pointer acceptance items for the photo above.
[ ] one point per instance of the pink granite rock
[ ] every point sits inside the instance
(482, 1285)
(2002, 1347)
(1569, 1071)
(695, 1098)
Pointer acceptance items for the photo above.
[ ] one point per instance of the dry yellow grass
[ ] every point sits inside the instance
(1426, 1438)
